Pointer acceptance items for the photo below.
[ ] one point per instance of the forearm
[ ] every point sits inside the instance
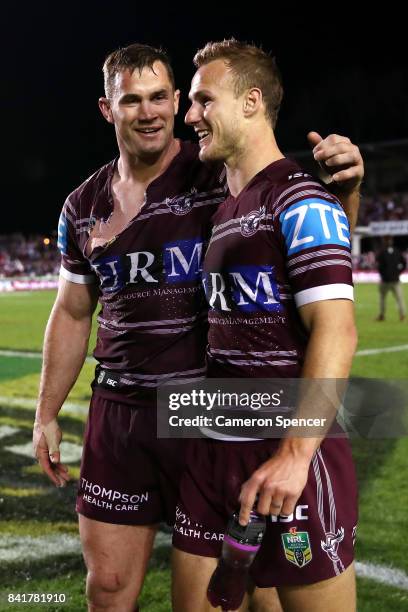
(350, 203)
(65, 349)
(326, 369)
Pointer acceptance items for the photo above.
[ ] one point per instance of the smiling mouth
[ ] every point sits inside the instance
(203, 135)
(148, 131)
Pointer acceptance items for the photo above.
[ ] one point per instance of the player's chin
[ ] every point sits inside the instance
(208, 154)
(152, 148)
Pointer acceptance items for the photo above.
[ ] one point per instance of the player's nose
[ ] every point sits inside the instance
(193, 115)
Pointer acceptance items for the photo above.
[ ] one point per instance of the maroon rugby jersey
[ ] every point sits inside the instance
(152, 324)
(282, 243)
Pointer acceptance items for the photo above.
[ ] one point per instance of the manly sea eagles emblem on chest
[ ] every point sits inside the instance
(182, 204)
(250, 223)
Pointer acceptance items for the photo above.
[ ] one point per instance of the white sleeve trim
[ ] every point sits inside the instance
(336, 291)
(82, 279)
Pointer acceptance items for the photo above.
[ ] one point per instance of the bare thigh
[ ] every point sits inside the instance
(336, 594)
(116, 557)
(190, 577)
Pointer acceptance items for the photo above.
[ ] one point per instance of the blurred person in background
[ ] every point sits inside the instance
(391, 263)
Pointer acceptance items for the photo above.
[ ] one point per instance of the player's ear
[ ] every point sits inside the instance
(176, 101)
(105, 108)
(252, 101)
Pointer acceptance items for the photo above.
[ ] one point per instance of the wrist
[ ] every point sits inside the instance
(344, 189)
(300, 449)
(44, 416)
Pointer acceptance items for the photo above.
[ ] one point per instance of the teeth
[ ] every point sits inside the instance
(202, 134)
(148, 130)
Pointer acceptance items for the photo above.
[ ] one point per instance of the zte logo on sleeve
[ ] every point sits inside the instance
(314, 222)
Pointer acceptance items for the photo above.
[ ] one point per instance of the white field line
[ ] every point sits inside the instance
(385, 349)
(381, 573)
(7, 430)
(32, 355)
(19, 548)
(26, 402)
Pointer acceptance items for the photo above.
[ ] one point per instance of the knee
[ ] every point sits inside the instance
(105, 588)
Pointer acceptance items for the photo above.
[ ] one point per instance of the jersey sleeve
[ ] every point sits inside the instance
(74, 266)
(316, 239)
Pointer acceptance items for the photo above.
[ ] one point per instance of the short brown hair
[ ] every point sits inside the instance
(251, 67)
(133, 57)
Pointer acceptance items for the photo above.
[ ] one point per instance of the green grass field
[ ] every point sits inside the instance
(38, 534)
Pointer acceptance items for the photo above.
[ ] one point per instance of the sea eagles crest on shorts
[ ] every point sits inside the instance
(250, 223)
(182, 204)
(331, 545)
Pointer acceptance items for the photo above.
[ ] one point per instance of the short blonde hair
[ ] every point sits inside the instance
(250, 67)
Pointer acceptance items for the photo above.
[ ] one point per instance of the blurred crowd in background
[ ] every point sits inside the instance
(34, 256)
(28, 256)
(386, 207)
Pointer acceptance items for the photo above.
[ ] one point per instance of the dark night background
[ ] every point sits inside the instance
(341, 75)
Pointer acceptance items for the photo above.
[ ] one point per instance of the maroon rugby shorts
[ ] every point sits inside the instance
(313, 544)
(128, 476)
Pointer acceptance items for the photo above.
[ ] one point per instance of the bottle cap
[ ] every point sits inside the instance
(251, 534)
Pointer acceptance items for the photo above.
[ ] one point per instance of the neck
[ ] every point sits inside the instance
(145, 169)
(258, 149)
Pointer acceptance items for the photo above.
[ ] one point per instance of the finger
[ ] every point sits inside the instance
(62, 472)
(63, 468)
(62, 481)
(348, 174)
(340, 162)
(57, 473)
(55, 456)
(324, 153)
(314, 138)
(45, 465)
(333, 139)
(275, 508)
(264, 502)
(288, 505)
(247, 499)
(330, 146)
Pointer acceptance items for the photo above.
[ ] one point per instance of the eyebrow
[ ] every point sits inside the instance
(132, 97)
(201, 93)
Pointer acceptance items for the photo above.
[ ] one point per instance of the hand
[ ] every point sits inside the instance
(46, 441)
(339, 158)
(279, 482)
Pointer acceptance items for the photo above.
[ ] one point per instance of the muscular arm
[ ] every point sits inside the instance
(343, 170)
(65, 348)
(281, 480)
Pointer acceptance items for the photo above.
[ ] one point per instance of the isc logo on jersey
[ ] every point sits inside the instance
(314, 222)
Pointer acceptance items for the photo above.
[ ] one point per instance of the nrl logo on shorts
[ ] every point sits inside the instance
(296, 545)
(251, 222)
(331, 545)
(100, 377)
(181, 205)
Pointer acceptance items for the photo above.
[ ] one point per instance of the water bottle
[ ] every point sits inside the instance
(228, 583)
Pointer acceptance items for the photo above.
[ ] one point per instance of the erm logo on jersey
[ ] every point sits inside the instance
(314, 222)
(245, 288)
(178, 262)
